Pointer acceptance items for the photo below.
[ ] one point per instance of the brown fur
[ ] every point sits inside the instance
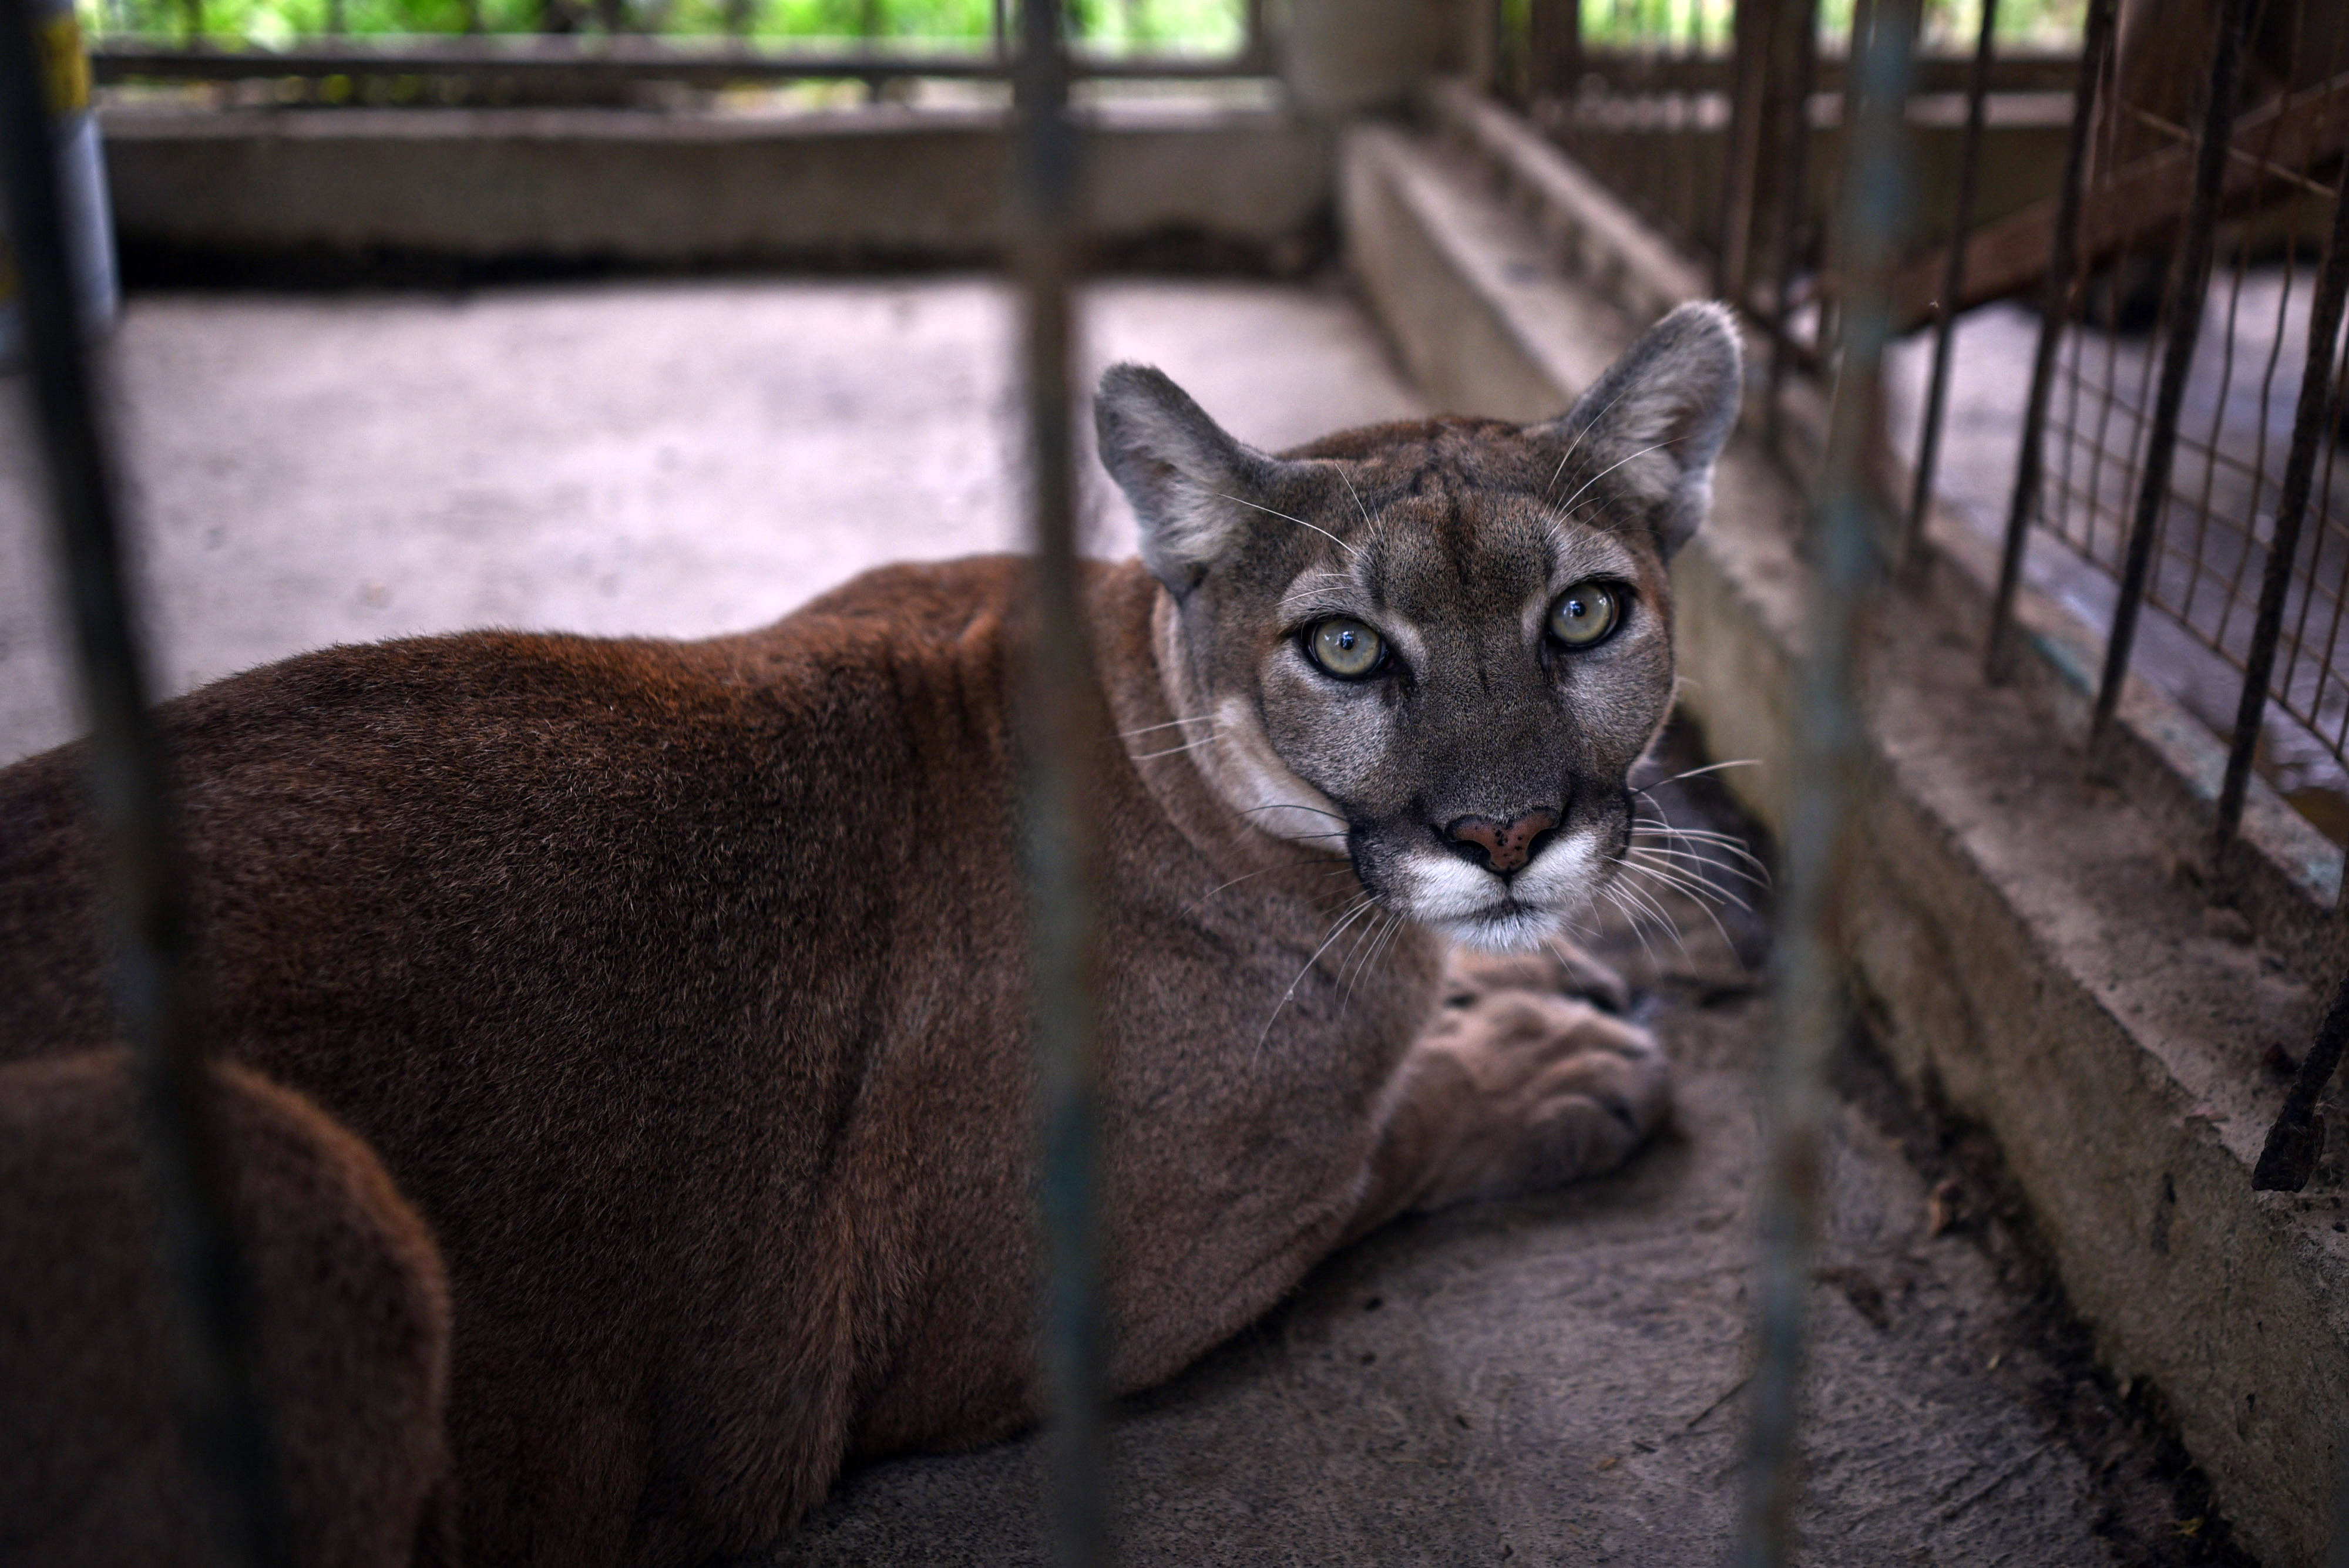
(353, 1326)
(680, 987)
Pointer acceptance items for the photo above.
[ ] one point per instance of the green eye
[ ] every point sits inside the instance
(1583, 613)
(1346, 648)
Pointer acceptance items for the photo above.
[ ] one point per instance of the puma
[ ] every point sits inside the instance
(681, 987)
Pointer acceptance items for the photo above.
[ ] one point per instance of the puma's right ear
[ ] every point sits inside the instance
(1186, 477)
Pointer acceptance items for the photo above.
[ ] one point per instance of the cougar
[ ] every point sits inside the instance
(680, 989)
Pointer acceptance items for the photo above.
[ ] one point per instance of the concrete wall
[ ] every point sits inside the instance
(634, 188)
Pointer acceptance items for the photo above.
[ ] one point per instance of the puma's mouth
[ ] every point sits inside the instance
(1480, 908)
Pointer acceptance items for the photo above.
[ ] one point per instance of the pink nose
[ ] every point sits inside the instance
(1507, 845)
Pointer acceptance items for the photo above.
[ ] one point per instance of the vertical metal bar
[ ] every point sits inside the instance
(208, 1305)
(1755, 28)
(1058, 737)
(1821, 791)
(2294, 1144)
(2310, 425)
(1794, 206)
(1953, 278)
(2054, 311)
(999, 32)
(2189, 279)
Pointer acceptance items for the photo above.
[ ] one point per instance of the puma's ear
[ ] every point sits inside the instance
(1659, 416)
(1184, 476)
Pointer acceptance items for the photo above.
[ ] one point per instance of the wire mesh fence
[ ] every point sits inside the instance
(2214, 515)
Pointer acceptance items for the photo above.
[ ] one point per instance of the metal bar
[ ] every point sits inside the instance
(1826, 765)
(1794, 207)
(603, 61)
(208, 1305)
(2189, 278)
(2054, 310)
(1962, 221)
(1060, 731)
(2294, 1144)
(1756, 23)
(2310, 427)
(1638, 70)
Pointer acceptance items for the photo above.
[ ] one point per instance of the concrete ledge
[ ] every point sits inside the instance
(629, 187)
(2018, 936)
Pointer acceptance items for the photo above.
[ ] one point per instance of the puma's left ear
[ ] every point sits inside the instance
(1659, 416)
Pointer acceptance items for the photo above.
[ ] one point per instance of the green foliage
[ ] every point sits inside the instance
(1703, 25)
(1185, 27)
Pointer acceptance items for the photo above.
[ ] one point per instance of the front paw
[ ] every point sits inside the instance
(1543, 1089)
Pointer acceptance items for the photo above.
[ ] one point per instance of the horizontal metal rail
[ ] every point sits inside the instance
(1656, 72)
(583, 63)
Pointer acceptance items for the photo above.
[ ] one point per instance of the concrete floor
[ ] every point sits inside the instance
(1549, 1380)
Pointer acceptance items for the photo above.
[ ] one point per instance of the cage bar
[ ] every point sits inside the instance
(1827, 752)
(1057, 736)
(2311, 425)
(2189, 279)
(1953, 277)
(2055, 307)
(208, 1294)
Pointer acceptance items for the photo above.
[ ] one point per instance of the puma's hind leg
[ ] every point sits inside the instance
(1521, 1082)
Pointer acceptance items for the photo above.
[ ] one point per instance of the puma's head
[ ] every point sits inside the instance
(1442, 645)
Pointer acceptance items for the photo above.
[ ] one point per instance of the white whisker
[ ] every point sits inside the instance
(1170, 724)
(1301, 522)
(1568, 510)
(1361, 907)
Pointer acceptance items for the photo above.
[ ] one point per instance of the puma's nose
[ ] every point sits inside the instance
(1505, 845)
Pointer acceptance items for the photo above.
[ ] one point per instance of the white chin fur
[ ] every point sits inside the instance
(1476, 909)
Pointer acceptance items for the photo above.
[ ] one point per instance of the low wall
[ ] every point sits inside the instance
(237, 192)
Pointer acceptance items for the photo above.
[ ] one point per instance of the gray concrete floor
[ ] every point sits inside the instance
(1549, 1380)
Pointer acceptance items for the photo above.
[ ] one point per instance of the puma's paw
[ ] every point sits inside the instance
(1557, 968)
(1542, 1088)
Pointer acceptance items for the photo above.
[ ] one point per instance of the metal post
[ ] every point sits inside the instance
(1059, 736)
(208, 1305)
(2189, 278)
(1953, 277)
(1820, 793)
(2054, 310)
(2294, 1144)
(1757, 26)
(1794, 205)
(2310, 427)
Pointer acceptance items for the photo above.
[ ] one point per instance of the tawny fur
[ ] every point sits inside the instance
(353, 1321)
(681, 986)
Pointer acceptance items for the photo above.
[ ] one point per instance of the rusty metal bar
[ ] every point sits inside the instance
(1929, 438)
(2189, 279)
(2294, 1144)
(1794, 206)
(1059, 733)
(1757, 26)
(208, 1302)
(2311, 426)
(1821, 789)
(2054, 311)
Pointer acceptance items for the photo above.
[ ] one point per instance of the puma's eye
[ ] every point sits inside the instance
(1583, 613)
(1346, 648)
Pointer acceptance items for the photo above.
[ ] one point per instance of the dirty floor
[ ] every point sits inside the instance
(1553, 1381)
